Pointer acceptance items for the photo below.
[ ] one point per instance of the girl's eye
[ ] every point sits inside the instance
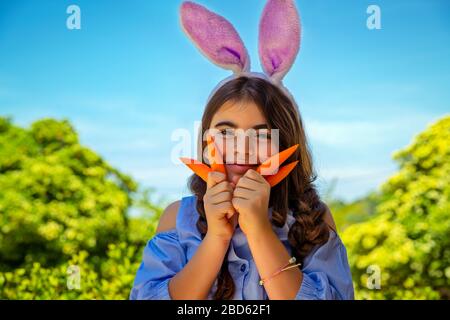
(264, 135)
(227, 133)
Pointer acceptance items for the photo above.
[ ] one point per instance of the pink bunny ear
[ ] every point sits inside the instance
(215, 37)
(279, 37)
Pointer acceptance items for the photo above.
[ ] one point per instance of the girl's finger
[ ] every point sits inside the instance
(243, 193)
(214, 178)
(248, 183)
(221, 197)
(252, 174)
(225, 208)
(221, 187)
(237, 202)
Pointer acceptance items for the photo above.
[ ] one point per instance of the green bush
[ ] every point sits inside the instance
(63, 208)
(409, 237)
(61, 205)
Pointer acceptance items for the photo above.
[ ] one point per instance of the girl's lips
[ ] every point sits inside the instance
(240, 168)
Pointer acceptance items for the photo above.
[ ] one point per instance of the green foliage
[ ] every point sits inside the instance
(409, 238)
(346, 214)
(61, 204)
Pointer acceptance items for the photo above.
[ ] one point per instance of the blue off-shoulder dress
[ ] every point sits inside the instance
(326, 272)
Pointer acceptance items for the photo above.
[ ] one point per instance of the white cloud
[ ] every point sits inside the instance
(353, 181)
(347, 134)
(355, 173)
(365, 134)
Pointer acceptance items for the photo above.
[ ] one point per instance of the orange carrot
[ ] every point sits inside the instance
(198, 167)
(215, 157)
(282, 173)
(202, 169)
(270, 166)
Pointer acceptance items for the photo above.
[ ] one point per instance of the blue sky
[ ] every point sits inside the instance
(130, 77)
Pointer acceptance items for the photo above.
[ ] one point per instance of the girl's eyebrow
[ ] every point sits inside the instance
(233, 125)
(261, 126)
(225, 123)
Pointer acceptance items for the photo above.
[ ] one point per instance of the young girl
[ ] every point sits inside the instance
(236, 237)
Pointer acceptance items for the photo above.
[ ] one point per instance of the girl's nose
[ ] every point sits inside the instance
(245, 150)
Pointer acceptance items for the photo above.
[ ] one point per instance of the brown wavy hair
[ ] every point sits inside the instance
(296, 192)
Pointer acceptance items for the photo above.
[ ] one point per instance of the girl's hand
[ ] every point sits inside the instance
(220, 213)
(251, 200)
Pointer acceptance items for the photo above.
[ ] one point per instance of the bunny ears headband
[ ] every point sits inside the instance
(218, 40)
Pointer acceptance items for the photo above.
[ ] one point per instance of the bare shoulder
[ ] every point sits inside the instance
(168, 218)
(328, 218)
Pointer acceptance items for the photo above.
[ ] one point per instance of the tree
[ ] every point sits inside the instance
(409, 237)
(60, 204)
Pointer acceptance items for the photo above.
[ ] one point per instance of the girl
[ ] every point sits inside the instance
(236, 237)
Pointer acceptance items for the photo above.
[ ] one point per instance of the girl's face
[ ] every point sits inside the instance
(242, 136)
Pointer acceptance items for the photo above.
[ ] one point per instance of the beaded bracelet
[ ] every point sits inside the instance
(286, 267)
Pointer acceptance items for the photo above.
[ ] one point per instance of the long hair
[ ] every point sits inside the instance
(296, 192)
